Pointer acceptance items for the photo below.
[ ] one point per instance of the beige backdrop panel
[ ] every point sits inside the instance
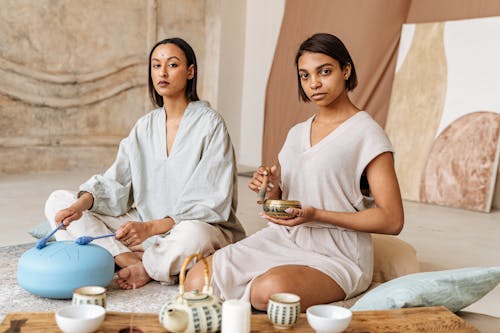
(370, 30)
(371, 34)
(416, 106)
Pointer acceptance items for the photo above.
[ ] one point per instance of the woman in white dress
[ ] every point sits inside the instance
(339, 164)
(173, 181)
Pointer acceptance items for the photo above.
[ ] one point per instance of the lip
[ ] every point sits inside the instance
(163, 83)
(318, 96)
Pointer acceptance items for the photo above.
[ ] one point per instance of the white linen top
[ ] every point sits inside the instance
(327, 175)
(195, 182)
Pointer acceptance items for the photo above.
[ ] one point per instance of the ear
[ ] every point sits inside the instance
(347, 71)
(191, 72)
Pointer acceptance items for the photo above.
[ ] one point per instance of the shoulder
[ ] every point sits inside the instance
(371, 135)
(204, 118)
(298, 129)
(149, 118)
(304, 125)
(366, 122)
(203, 110)
(367, 128)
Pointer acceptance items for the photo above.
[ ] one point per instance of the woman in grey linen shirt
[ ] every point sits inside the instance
(174, 178)
(323, 254)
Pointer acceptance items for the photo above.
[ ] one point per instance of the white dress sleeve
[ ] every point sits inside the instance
(112, 191)
(208, 194)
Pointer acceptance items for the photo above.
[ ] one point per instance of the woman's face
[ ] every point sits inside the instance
(322, 78)
(170, 71)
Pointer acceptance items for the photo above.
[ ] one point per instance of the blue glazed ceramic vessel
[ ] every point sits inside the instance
(60, 267)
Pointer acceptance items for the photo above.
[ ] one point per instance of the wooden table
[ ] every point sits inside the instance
(432, 319)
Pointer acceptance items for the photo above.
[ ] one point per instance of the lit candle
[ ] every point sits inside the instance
(235, 316)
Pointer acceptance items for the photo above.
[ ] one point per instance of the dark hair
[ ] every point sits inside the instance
(333, 47)
(191, 93)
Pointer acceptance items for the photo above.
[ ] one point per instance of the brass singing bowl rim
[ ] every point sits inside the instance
(278, 202)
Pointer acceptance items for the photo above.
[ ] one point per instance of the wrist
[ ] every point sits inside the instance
(159, 227)
(85, 201)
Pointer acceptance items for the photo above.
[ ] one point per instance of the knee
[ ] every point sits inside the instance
(195, 278)
(264, 286)
(195, 233)
(58, 199)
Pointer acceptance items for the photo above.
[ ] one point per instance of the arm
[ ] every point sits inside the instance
(386, 217)
(134, 233)
(112, 191)
(74, 212)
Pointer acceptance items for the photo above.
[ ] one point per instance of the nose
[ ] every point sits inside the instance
(315, 83)
(164, 71)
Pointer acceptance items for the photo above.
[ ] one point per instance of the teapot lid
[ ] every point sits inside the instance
(195, 295)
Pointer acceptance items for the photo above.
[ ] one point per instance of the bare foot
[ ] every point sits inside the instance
(138, 254)
(133, 276)
(126, 259)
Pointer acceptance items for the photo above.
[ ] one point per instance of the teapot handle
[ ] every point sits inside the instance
(182, 274)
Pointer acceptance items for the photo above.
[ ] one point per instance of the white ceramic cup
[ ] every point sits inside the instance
(90, 295)
(283, 309)
(236, 316)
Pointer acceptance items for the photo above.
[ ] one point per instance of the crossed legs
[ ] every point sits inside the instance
(312, 285)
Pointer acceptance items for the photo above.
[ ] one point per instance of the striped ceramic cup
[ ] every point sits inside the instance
(283, 309)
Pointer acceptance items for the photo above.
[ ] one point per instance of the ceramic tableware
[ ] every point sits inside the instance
(283, 310)
(194, 311)
(328, 318)
(90, 295)
(80, 318)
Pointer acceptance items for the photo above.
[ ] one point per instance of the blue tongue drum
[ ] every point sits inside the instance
(58, 268)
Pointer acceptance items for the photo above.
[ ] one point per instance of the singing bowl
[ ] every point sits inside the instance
(276, 208)
(60, 267)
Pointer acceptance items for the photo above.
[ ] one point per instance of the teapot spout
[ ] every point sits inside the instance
(176, 321)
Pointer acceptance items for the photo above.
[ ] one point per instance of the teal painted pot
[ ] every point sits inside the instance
(60, 267)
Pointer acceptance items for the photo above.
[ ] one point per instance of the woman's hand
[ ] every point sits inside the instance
(259, 179)
(133, 233)
(303, 215)
(75, 211)
(67, 216)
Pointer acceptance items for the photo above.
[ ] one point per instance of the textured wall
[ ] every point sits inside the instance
(73, 75)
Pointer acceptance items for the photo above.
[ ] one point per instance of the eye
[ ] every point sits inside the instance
(156, 65)
(173, 65)
(303, 76)
(325, 71)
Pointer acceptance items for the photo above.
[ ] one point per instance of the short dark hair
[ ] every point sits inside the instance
(333, 47)
(191, 93)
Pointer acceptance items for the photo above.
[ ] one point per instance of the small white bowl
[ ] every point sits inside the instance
(80, 318)
(328, 318)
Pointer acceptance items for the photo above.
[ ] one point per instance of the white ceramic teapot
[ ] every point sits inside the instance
(192, 311)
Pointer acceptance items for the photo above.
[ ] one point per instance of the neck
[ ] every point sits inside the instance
(175, 107)
(339, 110)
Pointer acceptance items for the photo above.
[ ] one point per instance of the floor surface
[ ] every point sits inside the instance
(445, 238)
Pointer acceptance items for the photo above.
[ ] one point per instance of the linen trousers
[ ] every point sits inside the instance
(163, 259)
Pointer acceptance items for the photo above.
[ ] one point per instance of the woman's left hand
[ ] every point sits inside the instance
(303, 215)
(132, 233)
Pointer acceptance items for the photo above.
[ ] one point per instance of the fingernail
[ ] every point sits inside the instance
(271, 185)
(289, 210)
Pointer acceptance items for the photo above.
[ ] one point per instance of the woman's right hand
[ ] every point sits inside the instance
(258, 180)
(67, 216)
